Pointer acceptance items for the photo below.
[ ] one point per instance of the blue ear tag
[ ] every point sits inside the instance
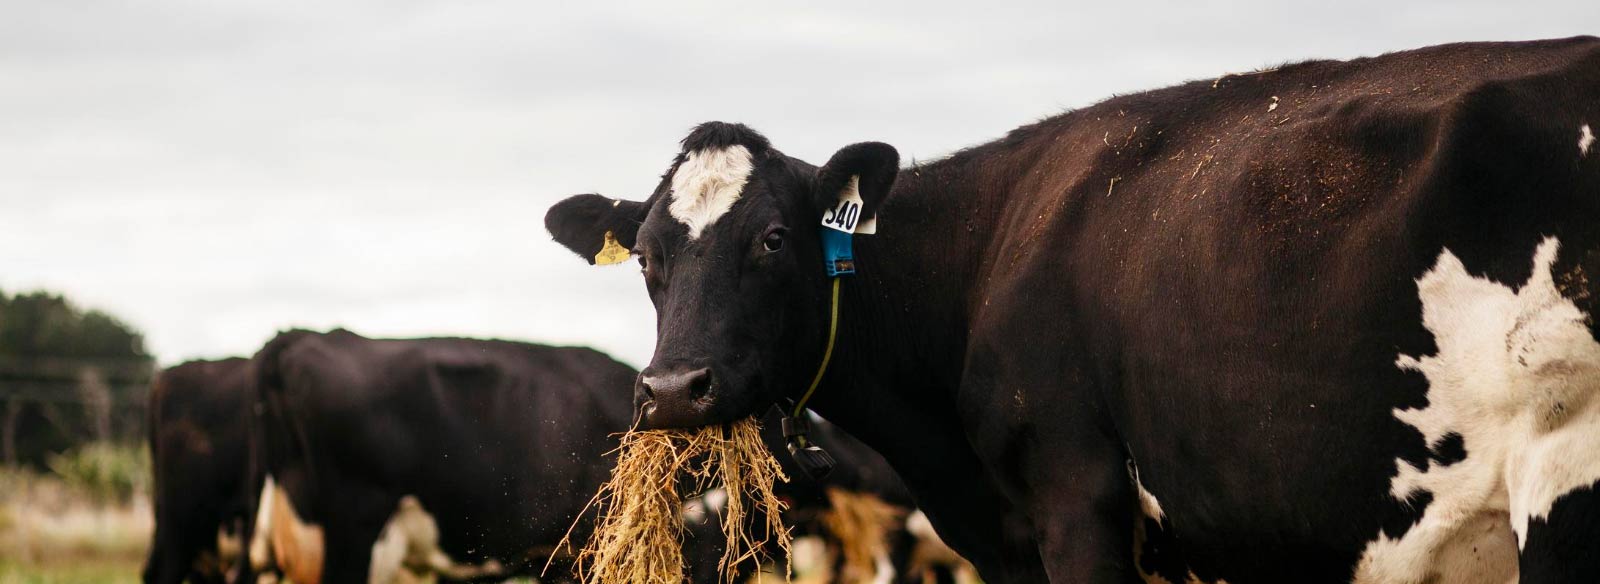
(838, 255)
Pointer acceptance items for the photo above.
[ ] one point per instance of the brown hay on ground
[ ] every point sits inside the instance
(639, 535)
(861, 523)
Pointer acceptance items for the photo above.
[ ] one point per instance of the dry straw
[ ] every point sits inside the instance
(861, 523)
(639, 535)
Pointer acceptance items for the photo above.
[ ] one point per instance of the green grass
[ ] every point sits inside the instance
(90, 526)
(115, 570)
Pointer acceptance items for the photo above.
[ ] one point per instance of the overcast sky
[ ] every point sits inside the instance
(213, 172)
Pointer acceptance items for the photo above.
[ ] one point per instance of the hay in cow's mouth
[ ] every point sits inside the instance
(639, 534)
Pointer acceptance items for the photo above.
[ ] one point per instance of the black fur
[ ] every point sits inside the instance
(198, 416)
(875, 162)
(719, 135)
(503, 443)
(1560, 547)
(581, 222)
(1214, 279)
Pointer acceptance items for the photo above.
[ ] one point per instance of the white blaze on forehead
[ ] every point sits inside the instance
(1585, 140)
(1515, 376)
(707, 184)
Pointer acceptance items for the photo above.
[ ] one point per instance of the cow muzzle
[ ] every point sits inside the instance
(675, 397)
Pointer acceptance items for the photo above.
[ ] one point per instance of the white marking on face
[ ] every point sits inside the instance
(707, 184)
(1585, 140)
(1515, 376)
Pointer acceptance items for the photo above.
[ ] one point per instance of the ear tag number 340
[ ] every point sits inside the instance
(843, 217)
(846, 216)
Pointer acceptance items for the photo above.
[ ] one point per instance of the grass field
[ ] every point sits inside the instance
(51, 533)
(81, 571)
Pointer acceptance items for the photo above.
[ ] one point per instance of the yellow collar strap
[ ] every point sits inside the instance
(812, 459)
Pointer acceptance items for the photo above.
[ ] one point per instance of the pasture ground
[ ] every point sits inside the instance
(51, 533)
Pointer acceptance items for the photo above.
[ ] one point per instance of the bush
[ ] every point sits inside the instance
(105, 472)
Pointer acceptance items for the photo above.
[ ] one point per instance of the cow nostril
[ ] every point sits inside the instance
(700, 384)
(649, 392)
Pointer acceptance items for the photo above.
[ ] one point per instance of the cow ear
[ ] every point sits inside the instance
(599, 229)
(872, 165)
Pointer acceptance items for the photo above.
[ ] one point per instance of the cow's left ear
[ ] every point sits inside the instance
(598, 229)
(873, 163)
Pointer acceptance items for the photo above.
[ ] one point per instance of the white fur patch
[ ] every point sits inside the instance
(1585, 140)
(282, 540)
(260, 545)
(707, 184)
(1150, 507)
(1148, 503)
(1515, 375)
(407, 550)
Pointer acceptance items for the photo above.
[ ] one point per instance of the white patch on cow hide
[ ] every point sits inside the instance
(1148, 503)
(282, 541)
(1150, 508)
(259, 543)
(707, 184)
(1515, 375)
(1585, 140)
(929, 552)
(407, 550)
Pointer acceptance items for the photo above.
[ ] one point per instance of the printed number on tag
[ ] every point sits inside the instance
(845, 215)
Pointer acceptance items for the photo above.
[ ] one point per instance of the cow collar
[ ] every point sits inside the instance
(839, 261)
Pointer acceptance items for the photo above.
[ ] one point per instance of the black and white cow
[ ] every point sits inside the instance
(861, 472)
(1335, 317)
(204, 492)
(459, 457)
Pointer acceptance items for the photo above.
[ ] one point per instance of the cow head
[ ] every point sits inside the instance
(730, 251)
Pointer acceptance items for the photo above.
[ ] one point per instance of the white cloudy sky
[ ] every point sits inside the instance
(215, 171)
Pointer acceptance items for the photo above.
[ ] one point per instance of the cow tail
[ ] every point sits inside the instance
(281, 437)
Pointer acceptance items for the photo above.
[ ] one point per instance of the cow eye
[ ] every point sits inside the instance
(774, 239)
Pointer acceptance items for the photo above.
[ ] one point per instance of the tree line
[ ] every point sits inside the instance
(68, 377)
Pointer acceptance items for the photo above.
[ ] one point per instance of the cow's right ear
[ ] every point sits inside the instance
(599, 229)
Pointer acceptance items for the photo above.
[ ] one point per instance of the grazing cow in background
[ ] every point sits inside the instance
(862, 477)
(1330, 322)
(466, 458)
(197, 415)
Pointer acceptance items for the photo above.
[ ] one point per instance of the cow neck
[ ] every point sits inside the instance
(903, 319)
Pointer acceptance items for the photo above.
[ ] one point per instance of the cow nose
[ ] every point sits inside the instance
(675, 386)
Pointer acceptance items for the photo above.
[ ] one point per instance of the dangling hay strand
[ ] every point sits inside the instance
(639, 534)
(861, 523)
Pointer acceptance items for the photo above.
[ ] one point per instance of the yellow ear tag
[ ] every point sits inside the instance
(611, 253)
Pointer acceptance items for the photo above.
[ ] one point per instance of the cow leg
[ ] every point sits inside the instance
(174, 552)
(1565, 546)
(1084, 516)
(1085, 530)
(1047, 442)
(352, 531)
(169, 560)
(349, 551)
